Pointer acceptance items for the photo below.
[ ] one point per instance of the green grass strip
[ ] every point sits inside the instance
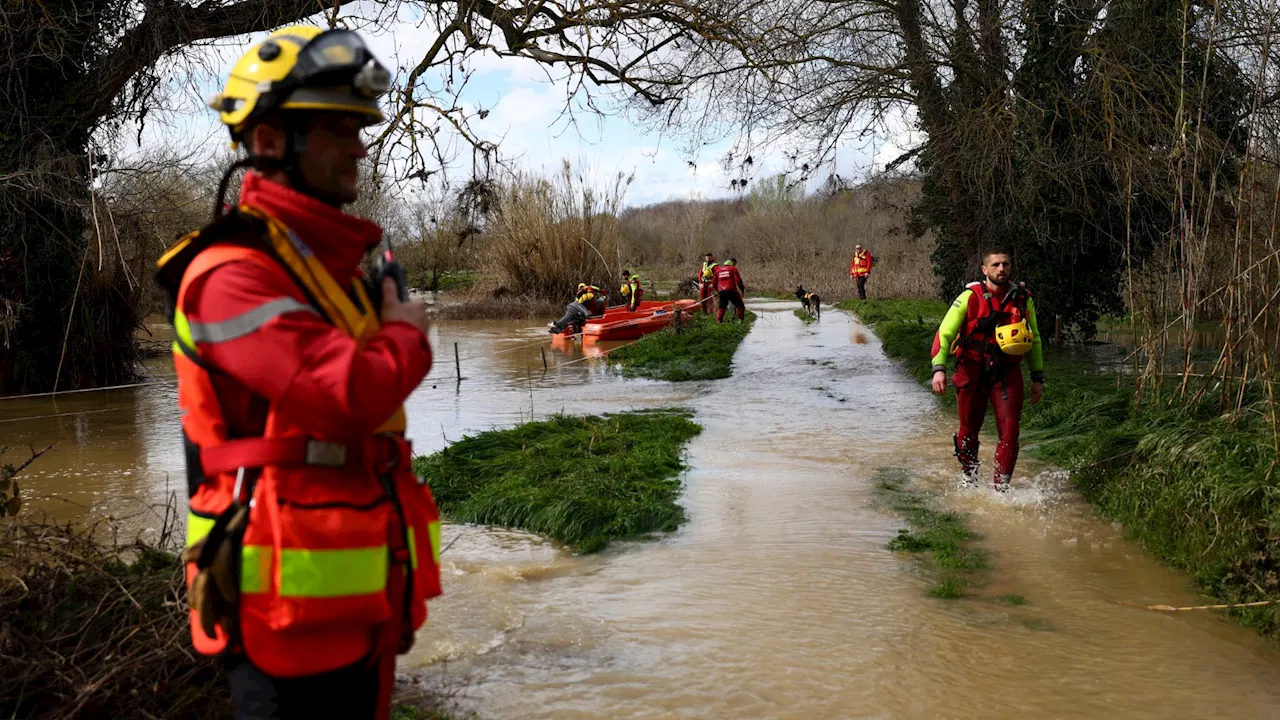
(702, 350)
(935, 534)
(582, 480)
(805, 316)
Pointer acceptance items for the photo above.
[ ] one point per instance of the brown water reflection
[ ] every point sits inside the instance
(778, 598)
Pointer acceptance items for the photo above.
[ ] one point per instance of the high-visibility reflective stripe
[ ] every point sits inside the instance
(255, 569)
(433, 534)
(433, 528)
(181, 328)
(242, 324)
(304, 573)
(197, 527)
(331, 573)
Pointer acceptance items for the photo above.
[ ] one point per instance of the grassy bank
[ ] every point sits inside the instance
(581, 480)
(702, 350)
(1193, 487)
(939, 537)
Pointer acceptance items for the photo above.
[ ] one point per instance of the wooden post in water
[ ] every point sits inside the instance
(544, 359)
(457, 364)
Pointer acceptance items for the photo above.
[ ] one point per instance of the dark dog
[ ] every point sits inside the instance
(810, 300)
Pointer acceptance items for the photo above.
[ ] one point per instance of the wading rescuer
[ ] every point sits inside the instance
(989, 327)
(706, 279)
(860, 269)
(631, 290)
(588, 302)
(312, 547)
(730, 288)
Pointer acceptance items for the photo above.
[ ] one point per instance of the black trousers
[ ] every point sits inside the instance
(862, 287)
(575, 313)
(727, 298)
(350, 692)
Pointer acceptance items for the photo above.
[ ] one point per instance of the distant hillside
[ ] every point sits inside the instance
(782, 239)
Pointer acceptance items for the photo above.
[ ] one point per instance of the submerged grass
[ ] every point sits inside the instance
(1192, 486)
(701, 350)
(805, 317)
(939, 535)
(582, 480)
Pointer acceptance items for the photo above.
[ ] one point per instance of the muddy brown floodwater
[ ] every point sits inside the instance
(778, 599)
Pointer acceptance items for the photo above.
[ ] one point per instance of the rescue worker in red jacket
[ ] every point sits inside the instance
(311, 545)
(860, 269)
(989, 327)
(730, 288)
(631, 290)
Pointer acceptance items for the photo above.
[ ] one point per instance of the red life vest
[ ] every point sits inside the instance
(331, 518)
(861, 264)
(977, 339)
(727, 278)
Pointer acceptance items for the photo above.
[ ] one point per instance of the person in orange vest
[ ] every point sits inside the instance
(988, 329)
(730, 288)
(860, 269)
(631, 290)
(312, 547)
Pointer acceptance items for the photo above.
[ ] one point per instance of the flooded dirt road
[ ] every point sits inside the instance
(778, 598)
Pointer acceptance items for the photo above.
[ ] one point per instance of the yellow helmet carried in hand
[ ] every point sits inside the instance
(1014, 339)
(302, 67)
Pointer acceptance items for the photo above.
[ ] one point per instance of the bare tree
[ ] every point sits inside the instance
(1037, 117)
(74, 70)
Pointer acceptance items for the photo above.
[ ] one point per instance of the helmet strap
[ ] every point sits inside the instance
(226, 180)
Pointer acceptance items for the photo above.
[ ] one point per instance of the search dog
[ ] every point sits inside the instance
(810, 301)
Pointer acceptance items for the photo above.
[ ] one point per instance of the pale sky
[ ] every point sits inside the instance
(525, 108)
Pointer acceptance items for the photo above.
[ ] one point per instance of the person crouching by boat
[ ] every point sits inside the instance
(631, 290)
(588, 302)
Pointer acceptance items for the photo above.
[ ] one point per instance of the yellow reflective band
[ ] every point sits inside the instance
(433, 529)
(197, 528)
(255, 569)
(433, 536)
(255, 560)
(333, 573)
(182, 328)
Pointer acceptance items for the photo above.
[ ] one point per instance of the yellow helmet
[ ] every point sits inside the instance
(1014, 339)
(302, 67)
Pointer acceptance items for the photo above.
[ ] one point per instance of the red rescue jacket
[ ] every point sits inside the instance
(289, 382)
(861, 264)
(984, 313)
(728, 278)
